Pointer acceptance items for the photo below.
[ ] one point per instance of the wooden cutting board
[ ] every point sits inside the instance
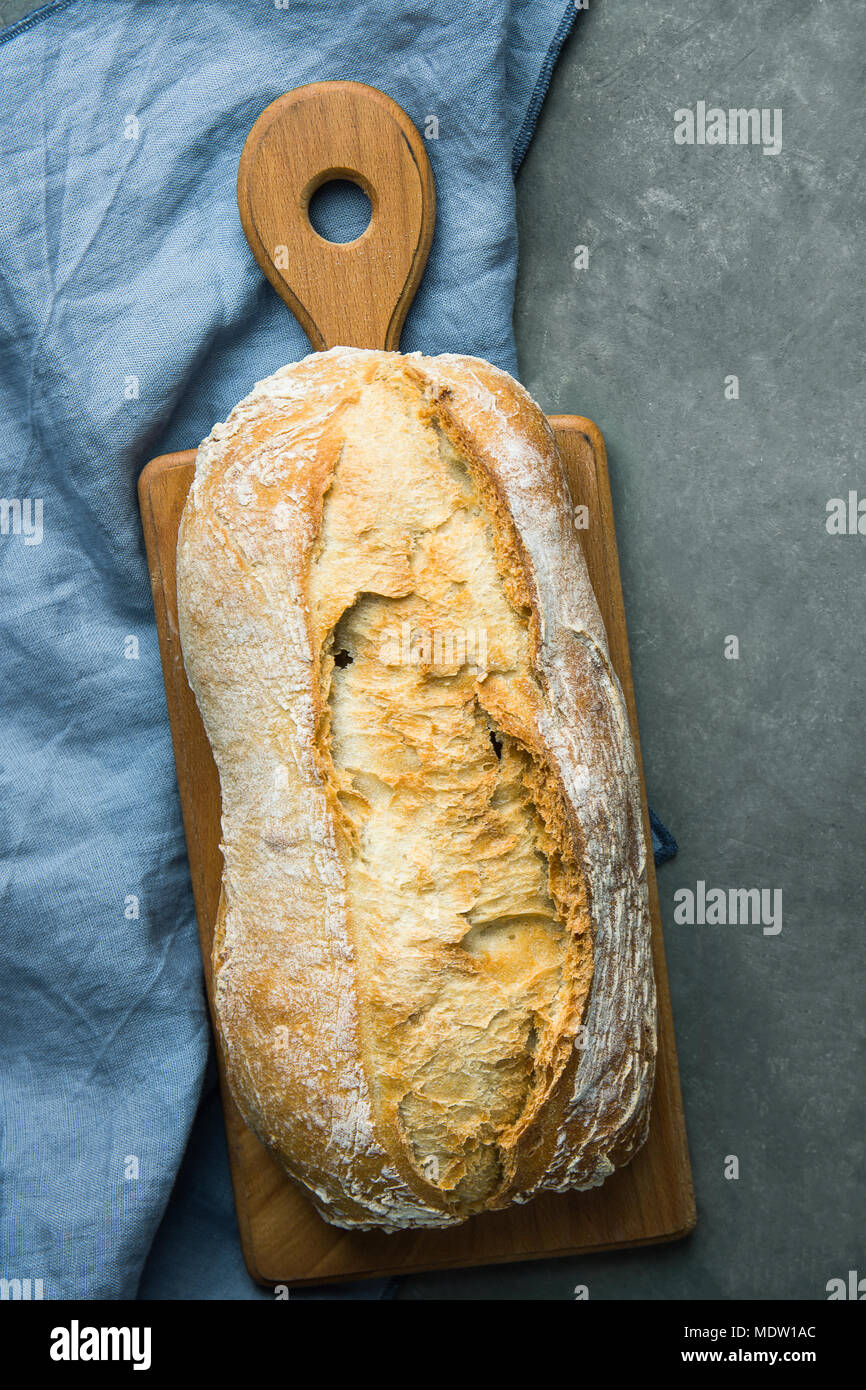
(360, 296)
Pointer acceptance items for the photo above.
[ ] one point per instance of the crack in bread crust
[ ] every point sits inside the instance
(474, 955)
(432, 974)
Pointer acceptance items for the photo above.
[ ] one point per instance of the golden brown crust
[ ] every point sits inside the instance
(432, 966)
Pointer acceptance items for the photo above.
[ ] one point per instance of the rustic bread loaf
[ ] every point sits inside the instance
(432, 967)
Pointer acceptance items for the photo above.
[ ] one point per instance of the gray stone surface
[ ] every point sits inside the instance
(704, 262)
(13, 10)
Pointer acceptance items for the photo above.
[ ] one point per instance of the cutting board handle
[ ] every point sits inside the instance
(356, 293)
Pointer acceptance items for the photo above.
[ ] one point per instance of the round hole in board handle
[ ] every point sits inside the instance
(340, 211)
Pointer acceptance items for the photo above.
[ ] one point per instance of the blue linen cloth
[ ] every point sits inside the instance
(132, 317)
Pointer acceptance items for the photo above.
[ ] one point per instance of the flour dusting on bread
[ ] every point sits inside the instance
(432, 966)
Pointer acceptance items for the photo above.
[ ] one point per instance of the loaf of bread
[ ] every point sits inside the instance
(432, 971)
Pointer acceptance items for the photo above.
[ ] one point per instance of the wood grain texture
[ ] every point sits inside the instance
(283, 1239)
(355, 294)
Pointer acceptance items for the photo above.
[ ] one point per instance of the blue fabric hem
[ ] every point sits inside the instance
(664, 844)
(35, 17)
(522, 143)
